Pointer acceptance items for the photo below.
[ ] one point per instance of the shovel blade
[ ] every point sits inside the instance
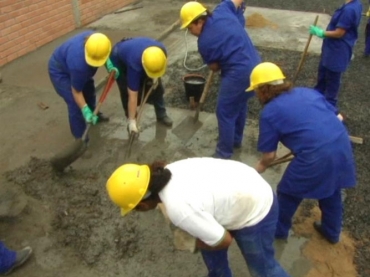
(66, 157)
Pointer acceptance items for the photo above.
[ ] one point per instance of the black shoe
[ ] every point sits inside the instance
(318, 227)
(165, 121)
(237, 145)
(21, 258)
(102, 118)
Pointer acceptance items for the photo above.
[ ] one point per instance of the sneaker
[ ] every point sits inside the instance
(22, 256)
(102, 118)
(165, 121)
(318, 227)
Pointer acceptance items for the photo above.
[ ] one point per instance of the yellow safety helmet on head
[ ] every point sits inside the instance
(191, 11)
(154, 62)
(97, 49)
(265, 73)
(128, 185)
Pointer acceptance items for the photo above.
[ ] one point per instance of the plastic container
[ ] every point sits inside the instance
(194, 85)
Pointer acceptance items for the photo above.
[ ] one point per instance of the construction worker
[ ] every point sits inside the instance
(140, 63)
(240, 12)
(323, 162)
(213, 200)
(231, 51)
(367, 34)
(338, 41)
(72, 67)
(10, 260)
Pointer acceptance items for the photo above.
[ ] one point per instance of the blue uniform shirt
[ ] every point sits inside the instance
(240, 13)
(337, 52)
(130, 53)
(306, 123)
(223, 40)
(70, 57)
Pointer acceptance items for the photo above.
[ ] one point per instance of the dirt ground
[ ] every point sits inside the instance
(78, 232)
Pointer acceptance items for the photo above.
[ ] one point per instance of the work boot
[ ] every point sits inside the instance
(318, 227)
(102, 118)
(21, 258)
(165, 121)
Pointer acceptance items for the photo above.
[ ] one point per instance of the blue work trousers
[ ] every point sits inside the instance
(328, 83)
(331, 214)
(231, 112)
(367, 38)
(62, 85)
(256, 245)
(7, 258)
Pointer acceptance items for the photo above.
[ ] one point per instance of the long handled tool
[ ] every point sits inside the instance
(304, 54)
(288, 157)
(140, 112)
(204, 95)
(63, 159)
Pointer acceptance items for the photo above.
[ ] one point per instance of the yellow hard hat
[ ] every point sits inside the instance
(265, 73)
(128, 185)
(154, 62)
(97, 49)
(191, 11)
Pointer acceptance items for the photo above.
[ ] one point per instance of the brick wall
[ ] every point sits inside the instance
(26, 25)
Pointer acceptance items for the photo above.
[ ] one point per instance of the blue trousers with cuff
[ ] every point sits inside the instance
(62, 85)
(328, 83)
(231, 112)
(256, 245)
(331, 214)
(367, 38)
(7, 258)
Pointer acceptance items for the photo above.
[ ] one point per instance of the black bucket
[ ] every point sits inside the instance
(194, 85)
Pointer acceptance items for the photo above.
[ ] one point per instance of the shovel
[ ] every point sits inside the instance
(66, 157)
(204, 94)
(140, 112)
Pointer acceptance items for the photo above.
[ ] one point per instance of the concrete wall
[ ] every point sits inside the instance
(26, 25)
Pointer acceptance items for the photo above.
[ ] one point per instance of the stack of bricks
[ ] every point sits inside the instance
(25, 25)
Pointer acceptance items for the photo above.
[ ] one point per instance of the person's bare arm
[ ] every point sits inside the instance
(237, 3)
(265, 161)
(337, 33)
(132, 103)
(79, 98)
(214, 67)
(224, 243)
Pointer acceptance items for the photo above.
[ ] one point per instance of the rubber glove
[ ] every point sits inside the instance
(368, 13)
(132, 127)
(88, 115)
(317, 31)
(109, 66)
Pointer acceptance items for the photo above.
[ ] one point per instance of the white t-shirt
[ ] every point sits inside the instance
(205, 196)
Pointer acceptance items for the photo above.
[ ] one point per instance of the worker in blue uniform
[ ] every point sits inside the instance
(339, 39)
(140, 62)
(72, 67)
(367, 35)
(10, 259)
(323, 161)
(240, 12)
(230, 50)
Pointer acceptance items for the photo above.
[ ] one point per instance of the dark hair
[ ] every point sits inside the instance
(201, 17)
(159, 177)
(266, 93)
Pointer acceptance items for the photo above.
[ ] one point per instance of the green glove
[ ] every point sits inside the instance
(89, 116)
(109, 65)
(368, 13)
(317, 31)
